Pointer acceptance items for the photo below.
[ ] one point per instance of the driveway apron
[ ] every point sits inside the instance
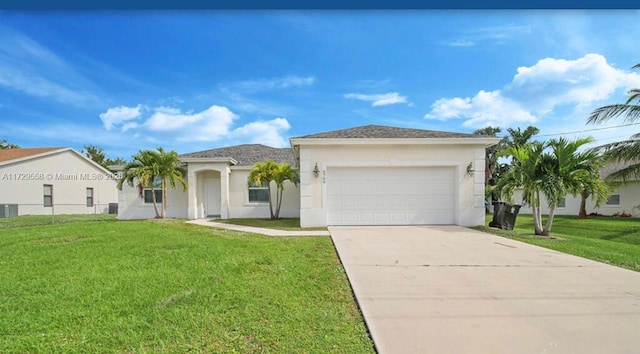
(433, 289)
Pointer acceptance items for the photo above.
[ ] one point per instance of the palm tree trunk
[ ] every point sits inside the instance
(278, 201)
(583, 205)
(547, 228)
(270, 203)
(153, 199)
(164, 199)
(537, 215)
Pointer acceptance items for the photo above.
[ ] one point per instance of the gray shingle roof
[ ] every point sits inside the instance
(246, 154)
(384, 132)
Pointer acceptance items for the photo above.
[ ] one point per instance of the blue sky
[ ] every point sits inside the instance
(195, 80)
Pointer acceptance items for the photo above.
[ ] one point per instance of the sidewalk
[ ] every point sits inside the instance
(257, 230)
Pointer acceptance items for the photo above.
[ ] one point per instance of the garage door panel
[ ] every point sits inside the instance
(390, 196)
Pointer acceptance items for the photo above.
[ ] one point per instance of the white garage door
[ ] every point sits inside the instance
(390, 195)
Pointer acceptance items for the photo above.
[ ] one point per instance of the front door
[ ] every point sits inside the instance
(211, 197)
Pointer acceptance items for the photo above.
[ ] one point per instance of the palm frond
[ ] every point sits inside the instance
(629, 112)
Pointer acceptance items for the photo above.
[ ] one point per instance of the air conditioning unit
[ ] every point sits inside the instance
(8, 210)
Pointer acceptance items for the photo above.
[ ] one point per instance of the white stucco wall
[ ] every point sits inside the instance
(131, 206)
(69, 173)
(469, 203)
(629, 198)
(239, 206)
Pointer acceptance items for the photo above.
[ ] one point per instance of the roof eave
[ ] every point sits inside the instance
(486, 141)
(35, 156)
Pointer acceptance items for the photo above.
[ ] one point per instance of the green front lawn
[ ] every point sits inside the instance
(287, 224)
(34, 220)
(157, 286)
(612, 240)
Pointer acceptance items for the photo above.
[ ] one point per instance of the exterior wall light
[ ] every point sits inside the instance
(316, 171)
(470, 169)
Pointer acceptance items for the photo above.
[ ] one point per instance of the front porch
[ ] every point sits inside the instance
(208, 194)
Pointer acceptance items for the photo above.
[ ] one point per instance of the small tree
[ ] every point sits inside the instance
(148, 165)
(552, 170)
(143, 169)
(97, 155)
(5, 145)
(264, 173)
(169, 171)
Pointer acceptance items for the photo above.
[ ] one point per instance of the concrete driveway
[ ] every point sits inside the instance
(454, 290)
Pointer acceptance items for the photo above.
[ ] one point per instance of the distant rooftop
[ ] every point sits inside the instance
(385, 132)
(14, 154)
(247, 154)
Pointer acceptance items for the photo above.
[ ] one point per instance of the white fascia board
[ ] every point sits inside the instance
(485, 141)
(209, 159)
(248, 168)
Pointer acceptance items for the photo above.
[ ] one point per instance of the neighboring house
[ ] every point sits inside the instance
(622, 199)
(49, 181)
(370, 175)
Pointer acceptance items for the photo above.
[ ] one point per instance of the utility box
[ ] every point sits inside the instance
(504, 215)
(8, 210)
(113, 208)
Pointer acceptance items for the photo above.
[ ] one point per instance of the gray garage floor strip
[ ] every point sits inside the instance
(455, 290)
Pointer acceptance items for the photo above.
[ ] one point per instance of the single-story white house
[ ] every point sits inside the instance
(45, 181)
(368, 175)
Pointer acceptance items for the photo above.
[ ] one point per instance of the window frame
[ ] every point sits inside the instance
(90, 197)
(254, 187)
(564, 204)
(157, 188)
(607, 203)
(45, 195)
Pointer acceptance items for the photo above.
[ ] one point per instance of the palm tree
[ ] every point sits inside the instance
(283, 173)
(148, 166)
(525, 172)
(519, 138)
(143, 169)
(169, 171)
(553, 170)
(627, 151)
(263, 173)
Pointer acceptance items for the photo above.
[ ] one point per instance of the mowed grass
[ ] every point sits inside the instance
(287, 224)
(168, 286)
(611, 240)
(34, 220)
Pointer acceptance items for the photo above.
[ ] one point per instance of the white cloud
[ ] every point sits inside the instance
(496, 34)
(274, 83)
(379, 100)
(461, 43)
(540, 91)
(553, 82)
(118, 115)
(169, 125)
(263, 132)
(208, 125)
(485, 108)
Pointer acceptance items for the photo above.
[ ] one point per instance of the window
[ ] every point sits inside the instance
(89, 197)
(258, 194)
(48, 195)
(614, 199)
(157, 186)
(562, 203)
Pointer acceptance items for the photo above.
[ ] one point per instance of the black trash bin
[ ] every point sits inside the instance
(504, 215)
